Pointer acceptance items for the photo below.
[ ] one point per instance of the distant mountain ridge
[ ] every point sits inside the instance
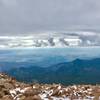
(75, 72)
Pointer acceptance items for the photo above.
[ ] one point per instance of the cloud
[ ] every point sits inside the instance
(24, 16)
(51, 40)
(9, 3)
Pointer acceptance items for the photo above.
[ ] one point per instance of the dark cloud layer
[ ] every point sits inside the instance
(23, 16)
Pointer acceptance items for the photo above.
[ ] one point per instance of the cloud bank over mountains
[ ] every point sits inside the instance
(49, 23)
(69, 39)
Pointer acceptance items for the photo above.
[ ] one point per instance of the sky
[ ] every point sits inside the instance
(25, 16)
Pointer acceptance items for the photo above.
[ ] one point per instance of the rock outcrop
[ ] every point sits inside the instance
(10, 89)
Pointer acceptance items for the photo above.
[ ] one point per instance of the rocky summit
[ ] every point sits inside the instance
(10, 89)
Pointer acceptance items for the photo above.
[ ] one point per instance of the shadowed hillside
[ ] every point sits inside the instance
(75, 72)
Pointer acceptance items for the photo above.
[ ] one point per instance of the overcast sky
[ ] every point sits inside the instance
(24, 16)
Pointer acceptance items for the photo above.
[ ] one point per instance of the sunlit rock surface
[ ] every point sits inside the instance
(10, 89)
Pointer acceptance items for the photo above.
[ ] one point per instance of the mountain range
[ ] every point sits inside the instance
(74, 72)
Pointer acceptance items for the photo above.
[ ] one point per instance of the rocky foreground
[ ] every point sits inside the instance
(10, 89)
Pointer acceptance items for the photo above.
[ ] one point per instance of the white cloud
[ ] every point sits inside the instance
(51, 40)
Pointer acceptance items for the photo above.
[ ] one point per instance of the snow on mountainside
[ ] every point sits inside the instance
(51, 40)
